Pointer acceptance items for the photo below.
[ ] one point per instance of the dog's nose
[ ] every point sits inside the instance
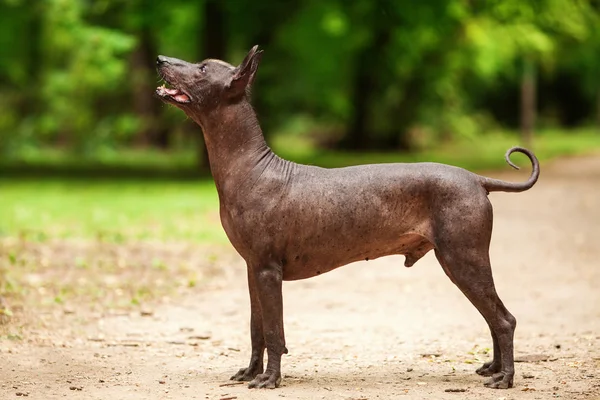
(161, 60)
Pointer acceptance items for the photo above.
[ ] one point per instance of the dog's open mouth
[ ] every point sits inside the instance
(172, 93)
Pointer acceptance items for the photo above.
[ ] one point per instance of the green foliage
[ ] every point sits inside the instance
(79, 73)
(84, 63)
(80, 66)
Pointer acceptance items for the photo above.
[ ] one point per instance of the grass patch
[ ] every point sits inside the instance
(113, 211)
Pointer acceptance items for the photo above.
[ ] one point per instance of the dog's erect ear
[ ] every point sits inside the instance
(244, 74)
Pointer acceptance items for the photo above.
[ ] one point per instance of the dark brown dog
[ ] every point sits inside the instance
(291, 221)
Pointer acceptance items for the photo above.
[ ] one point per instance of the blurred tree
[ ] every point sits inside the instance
(141, 19)
(528, 34)
(20, 71)
(214, 45)
(70, 67)
(370, 69)
(580, 55)
(387, 74)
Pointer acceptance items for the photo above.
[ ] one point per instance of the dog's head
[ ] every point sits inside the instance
(203, 86)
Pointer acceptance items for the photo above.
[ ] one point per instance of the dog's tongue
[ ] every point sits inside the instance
(176, 94)
(181, 97)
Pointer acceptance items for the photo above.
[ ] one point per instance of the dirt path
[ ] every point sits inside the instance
(370, 330)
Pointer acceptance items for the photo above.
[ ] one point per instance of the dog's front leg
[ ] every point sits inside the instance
(256, 335)
(268, 279)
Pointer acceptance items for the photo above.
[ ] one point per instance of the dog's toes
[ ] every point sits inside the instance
(265, 381)
(244, 375)
(501, 380)
(499, 385)
(484, 372)
(488, 369)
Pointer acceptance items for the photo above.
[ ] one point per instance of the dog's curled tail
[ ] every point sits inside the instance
(496, 185)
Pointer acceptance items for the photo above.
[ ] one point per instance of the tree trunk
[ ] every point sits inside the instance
(212, 45)
(356, 136)
(364, 86)
(34, 62)
(153, 133)
(528, 102)
(214, 37)
(35, 53)
(598, 107)
(405, 111)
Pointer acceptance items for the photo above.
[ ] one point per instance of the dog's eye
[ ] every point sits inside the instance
(203, 68)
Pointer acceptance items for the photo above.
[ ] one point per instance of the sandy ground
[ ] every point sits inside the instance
(369, 330)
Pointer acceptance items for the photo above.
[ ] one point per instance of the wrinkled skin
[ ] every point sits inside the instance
(291, 221)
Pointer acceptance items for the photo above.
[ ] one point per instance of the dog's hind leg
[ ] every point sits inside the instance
(463, 235)
(471, 272)
(491, 367)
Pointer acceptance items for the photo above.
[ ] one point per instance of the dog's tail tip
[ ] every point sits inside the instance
(495, 185)
(509, 152)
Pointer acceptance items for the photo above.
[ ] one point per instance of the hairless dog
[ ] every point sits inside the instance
(290, 221)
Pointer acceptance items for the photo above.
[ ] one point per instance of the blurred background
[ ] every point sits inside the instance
(77, 76)
(88, 153)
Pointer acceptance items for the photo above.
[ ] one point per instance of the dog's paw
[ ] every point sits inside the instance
(246, 374)
(501, 380)
(489, 368)
(268, 380)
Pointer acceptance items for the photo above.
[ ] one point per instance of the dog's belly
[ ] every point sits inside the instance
(315, 260)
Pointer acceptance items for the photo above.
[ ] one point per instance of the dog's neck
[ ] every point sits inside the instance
(234, 141)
